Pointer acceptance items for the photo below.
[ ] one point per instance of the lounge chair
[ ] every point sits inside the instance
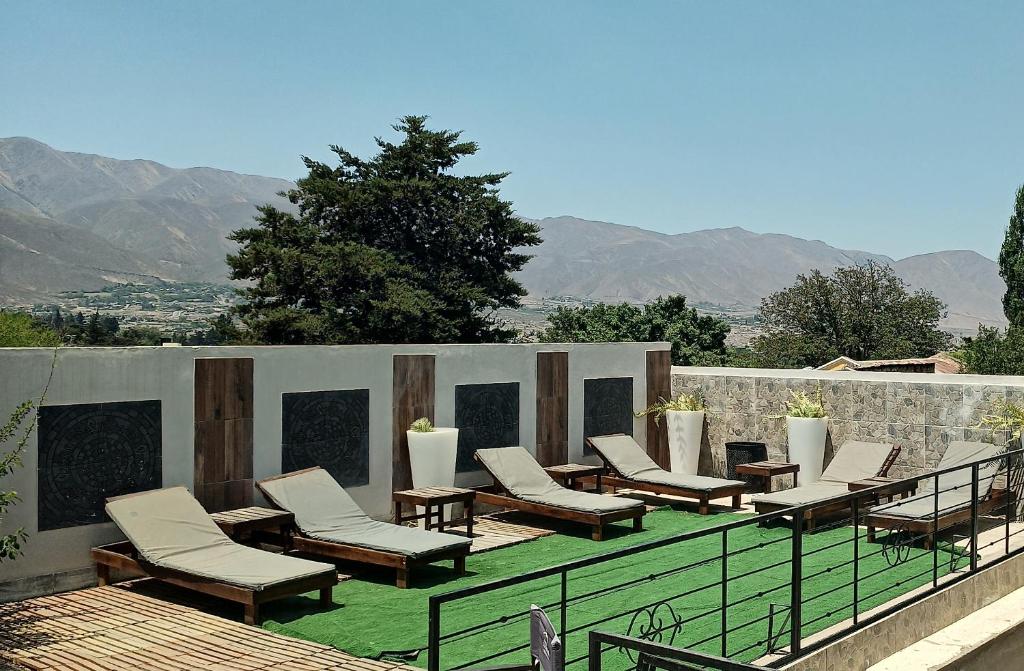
(331, 524)
(172, 538)
(917, 513)
(855, 460)
(629, 466)
(528, 488)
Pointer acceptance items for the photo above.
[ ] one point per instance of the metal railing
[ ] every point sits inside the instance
(748, 588)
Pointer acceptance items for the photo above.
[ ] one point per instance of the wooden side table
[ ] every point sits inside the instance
(891, 487)
(243, 523)
(433, 500)
(570, 475)
(766, 470)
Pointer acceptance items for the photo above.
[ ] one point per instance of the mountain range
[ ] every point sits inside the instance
(80, 221)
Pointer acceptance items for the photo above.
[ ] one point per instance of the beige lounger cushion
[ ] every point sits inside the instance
(633, 462)
(854, 461)
(324, 510)
(171, 530)
(520, 474)
(955, 487)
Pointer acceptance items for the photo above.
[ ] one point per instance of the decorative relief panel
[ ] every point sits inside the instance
(330, 429)
(607, 407)
(487, 415)
(91, 451)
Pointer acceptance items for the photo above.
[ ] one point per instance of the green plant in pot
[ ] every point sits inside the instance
(684, 415)
(807, 432)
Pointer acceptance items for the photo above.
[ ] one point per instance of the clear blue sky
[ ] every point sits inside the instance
(892, 127)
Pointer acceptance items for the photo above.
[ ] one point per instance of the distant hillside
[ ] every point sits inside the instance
(81, 221)
(178, 217)
(733, 267)
(40, 257)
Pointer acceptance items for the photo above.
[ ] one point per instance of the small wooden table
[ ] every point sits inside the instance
(766, 470)
(891, 487)
(433, 500)
(242, 523)
(571, 474)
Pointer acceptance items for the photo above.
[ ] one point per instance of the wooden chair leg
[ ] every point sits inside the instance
(402, 581)
(252, 613)
(638, 523)
(870, 535)
(460, 565)
(929, 541)
(737, 501)
(102, 574)
(597, 533)
(811, 524)
(326, 597)
(702, 507)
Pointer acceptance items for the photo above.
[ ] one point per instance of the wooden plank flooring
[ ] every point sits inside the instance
(114, 629)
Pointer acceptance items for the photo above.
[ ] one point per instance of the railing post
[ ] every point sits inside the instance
(1010, 500)
(593, 652)
(974, 517)
(725, 590)
(854, 508)
(934, 534)
(434, 635)
(796, 578)
(564, 610)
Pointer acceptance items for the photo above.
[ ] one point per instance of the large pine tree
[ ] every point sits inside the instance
(394, 249)
(1011, 264)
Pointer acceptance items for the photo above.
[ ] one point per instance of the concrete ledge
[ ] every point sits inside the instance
(868, 646)
(992, 637)
(52, 583)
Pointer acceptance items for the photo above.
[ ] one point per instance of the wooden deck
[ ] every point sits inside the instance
(499, 530)
(114, 629)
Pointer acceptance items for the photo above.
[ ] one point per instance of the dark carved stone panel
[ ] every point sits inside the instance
(607, 407)
(91, 451)
(486, 415)
(330, 429)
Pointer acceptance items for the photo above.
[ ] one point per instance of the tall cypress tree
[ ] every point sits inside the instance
(1011, 264)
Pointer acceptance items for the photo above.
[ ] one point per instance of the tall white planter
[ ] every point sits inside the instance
(432, 460)
(807, 446)
(685, 432)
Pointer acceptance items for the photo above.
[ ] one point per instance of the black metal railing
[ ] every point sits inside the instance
(749, 588)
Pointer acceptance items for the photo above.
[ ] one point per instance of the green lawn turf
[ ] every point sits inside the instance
(373, 618)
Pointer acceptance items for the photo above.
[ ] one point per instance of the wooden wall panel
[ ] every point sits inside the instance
(659, 384)
(412, 398)
(552, 408)
(223, 441)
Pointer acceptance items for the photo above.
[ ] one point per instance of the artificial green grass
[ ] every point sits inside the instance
(374, 618)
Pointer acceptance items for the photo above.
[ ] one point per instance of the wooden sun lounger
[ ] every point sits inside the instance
(403, 564)
(613, 478)
(125, 558)
(812, 515)
(929, 526)
(496, 495)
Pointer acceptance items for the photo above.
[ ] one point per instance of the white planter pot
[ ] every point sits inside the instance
(685, 432)
(432, 460)
(807, 446)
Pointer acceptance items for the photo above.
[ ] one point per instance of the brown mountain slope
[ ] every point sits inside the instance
(40, 257)
(178, 216)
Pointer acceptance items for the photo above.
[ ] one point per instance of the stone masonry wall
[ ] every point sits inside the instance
(921, 412)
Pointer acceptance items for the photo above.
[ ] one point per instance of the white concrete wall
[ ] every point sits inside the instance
(91, 375)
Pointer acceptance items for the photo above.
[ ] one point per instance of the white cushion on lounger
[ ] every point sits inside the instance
(856, 460)
(633, 462)
(520, 474)
(955, 487)
(324, 510)
(171, 530)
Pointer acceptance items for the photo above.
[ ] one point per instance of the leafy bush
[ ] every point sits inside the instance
(801, 404)
(681, 403)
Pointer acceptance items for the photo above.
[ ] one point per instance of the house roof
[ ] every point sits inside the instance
(942, 362)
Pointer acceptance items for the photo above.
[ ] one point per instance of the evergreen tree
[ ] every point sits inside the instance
(396, 248)
(1011, 264)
